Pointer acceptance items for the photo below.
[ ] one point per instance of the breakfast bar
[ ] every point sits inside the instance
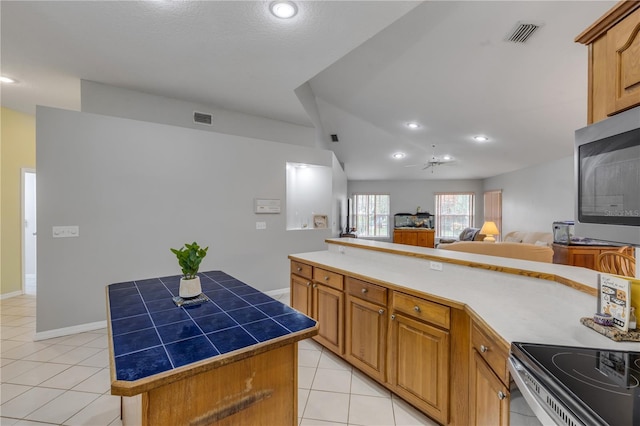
(231, 359)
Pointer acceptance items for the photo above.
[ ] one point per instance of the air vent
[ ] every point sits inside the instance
(202, 118)
(522, 32)
(334, 138)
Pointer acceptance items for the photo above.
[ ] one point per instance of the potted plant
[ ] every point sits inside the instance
(189, 258)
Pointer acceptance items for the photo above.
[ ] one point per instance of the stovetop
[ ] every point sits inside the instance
(602, 385)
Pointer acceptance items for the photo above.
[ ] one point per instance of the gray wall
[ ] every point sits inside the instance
(137, 188)
(407, 195)
(104, 99)
(535, 197)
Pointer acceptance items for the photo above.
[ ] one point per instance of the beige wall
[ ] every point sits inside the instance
(17, 150)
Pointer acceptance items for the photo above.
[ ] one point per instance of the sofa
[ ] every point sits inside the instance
(534, 246)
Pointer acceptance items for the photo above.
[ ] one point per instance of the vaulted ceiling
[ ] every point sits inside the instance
(372, 66)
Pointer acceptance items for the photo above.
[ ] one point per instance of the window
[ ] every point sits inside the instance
(454, 212)
(372, 215)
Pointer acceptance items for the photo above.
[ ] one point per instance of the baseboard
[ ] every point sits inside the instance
(277, 292)
(59, 332)
(10, 295)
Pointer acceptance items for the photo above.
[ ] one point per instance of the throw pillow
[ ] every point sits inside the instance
(512, 240)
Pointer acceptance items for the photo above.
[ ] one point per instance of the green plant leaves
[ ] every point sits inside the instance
(189, 258)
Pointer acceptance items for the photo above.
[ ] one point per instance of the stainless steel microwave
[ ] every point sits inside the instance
(607, 178)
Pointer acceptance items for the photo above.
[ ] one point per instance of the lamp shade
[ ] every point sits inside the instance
(489, 229)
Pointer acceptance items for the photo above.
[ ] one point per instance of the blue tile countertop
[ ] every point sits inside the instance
(152, 336)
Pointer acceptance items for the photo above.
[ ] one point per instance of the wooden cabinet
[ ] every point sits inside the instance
(614, 67)
(366, 327)
(415, 237)
(319, 294)
(419, 356)
(489, 377)
(328, 309)
(584, 256)
(489, 397)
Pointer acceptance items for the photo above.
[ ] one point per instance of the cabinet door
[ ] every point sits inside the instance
(419, 365)
(301, 294)
(423, 239)
(489, 397)
(585, 257)
(623, 47)
(366, 336)
(328, 310)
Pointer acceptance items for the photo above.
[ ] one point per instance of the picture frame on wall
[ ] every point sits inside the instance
(320, 221)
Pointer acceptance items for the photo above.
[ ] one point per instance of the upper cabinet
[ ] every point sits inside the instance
(614, 61)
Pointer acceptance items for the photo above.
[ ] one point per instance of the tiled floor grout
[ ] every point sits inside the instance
(65, 380)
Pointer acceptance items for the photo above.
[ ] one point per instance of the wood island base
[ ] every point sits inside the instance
(259, 390)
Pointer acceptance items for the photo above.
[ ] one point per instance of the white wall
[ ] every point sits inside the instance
(407, 195)
(104, 99)
(136, 189)
(535, 197)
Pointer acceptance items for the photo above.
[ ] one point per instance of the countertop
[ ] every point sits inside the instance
(153, 341)
(522, 301)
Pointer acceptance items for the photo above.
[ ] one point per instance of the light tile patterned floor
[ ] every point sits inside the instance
(65, 381)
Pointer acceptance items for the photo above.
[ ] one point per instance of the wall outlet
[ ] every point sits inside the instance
(261, 225)
(436, 266)
(66, 231)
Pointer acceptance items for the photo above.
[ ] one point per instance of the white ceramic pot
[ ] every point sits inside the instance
(190, 288)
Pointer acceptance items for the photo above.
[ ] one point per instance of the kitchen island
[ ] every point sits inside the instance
(229, 360)
(439, 324)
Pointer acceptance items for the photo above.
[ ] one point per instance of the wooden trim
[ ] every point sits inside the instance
(606, 21)
(504, 269)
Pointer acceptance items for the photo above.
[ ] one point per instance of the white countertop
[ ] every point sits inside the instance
(518, 308)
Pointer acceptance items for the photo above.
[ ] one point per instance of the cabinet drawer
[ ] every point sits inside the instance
(367, 291)
(491, 351)
(423, 309)
(301, 269)
(329, 278)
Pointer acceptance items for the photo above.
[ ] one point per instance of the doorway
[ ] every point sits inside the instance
(29, 231)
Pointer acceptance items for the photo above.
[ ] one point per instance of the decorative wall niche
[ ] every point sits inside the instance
(309, 189)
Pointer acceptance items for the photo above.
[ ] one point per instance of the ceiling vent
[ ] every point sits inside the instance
(522, 32)
(202, 118)
(334, 138)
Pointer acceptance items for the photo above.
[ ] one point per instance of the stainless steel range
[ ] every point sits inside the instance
(574, 386)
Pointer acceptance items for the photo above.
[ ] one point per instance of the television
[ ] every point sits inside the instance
(607, 179)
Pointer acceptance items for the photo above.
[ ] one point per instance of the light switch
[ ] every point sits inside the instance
(261, 225)
(66, 231)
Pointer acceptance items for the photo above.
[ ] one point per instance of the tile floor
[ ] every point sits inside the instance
(65, 381)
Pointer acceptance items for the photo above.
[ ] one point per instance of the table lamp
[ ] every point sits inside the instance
(489, 229)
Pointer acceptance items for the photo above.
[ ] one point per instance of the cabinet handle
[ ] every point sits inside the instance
(416, 308)
(308, 283)
(483, 348)
(381, 311)
(393, 317)
(315, 285)
(501, 395)
(364, 291)
(299, 269)
(326, 278)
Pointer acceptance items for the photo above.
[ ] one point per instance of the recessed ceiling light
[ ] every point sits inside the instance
(7, 80)
(480, 138)
(284, 9)
(399, 155)
(413, 125)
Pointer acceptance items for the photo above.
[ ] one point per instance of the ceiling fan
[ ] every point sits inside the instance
(434, 160)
